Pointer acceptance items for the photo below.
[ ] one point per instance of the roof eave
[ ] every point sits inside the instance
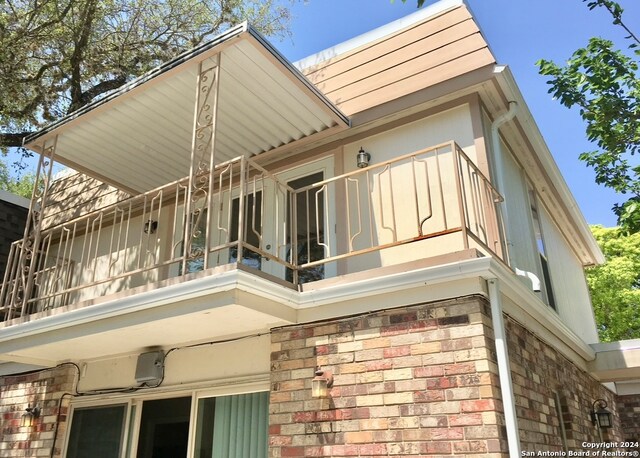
(507, 82)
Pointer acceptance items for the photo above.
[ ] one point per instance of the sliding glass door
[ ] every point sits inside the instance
(232, 426)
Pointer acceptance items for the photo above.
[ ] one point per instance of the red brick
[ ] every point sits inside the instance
(379, 365)
(465, 419)
(428, 371)
(428, 396)
(463, 368)
(436, 448)
(292, 451)
(442, 383)
(372, 449)
(481, 405)
(304, 417)
(394, 352)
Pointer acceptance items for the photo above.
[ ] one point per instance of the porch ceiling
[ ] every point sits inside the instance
(140, 137)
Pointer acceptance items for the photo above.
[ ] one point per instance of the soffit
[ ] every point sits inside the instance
(140, 137)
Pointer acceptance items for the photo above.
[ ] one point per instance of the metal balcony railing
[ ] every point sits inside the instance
(241, 213)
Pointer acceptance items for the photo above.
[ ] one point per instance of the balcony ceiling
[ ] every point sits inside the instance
(139, 137)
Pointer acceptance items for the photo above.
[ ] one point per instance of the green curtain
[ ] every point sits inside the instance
(237, 424)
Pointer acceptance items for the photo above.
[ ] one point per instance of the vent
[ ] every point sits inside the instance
(150, 367)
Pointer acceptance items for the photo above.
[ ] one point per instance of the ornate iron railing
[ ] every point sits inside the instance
(241, 213)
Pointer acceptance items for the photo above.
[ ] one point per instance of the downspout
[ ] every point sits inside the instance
(498, 164)
(504, 371)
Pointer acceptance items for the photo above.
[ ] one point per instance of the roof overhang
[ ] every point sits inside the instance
(139, 137)
(552, 187)
(616, 361)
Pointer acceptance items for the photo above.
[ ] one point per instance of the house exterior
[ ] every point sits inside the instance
(384, 219)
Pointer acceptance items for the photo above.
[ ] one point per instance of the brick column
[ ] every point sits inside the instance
(415, 381)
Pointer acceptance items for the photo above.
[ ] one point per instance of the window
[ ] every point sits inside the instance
(232, 426)
(97, 431)
(310, 222)
(164, 428)
(547, 290)
(252, 229)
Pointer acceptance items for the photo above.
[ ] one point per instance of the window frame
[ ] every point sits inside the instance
(134, 403)
(544, 271)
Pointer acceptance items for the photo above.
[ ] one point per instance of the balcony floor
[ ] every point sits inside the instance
(223, 303)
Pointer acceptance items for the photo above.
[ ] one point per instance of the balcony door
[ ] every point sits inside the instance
(307, 212)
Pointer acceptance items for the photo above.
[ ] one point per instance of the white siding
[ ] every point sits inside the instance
(568, 282)
(520, 234)
(453, 124)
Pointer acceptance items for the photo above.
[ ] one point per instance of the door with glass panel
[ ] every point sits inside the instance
(308, 211)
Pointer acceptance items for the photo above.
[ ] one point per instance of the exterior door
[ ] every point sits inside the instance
(309, 212)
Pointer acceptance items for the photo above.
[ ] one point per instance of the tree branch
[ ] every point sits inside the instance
(77, 57)
(100, 88)
(12, 140)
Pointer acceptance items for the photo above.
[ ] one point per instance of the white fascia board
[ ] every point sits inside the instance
(380, 32)
(214, 284)
(477, 267)
(542, 316)
(12, 368)
(619, 345)
(508, 84)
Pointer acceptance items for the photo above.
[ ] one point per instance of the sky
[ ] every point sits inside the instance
(519, 32)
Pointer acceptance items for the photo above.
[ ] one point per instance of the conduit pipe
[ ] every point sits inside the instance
(504, 371)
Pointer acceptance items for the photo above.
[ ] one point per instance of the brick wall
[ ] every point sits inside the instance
(12, 221)
(538, 373)
(629, 410)
(44, 390)
(414, 381)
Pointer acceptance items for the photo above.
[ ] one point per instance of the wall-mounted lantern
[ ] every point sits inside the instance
(363, 158)
(600, 416)
(321, 383)
(150, 227)
(29, 417)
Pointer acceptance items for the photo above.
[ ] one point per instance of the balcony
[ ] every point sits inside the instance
(429, 204)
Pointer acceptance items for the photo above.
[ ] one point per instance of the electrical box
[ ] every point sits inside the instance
(150, 367)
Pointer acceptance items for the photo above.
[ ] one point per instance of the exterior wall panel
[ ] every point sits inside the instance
(76, 195)
(453, 124)
(568, 282)
(415, 58)
(519, 231)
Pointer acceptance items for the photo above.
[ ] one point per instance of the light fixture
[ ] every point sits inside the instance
(321, 383)
(363, 158)
(29, 416)
(150, 227)
(601, 417)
